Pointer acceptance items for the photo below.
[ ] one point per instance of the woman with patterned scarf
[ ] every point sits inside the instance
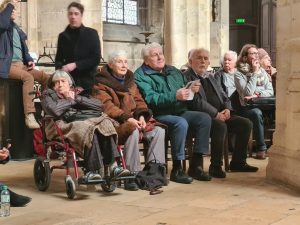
(253, 81)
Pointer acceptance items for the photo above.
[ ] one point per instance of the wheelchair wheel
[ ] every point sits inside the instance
(41, 173)
(108, 186)
(70, 187)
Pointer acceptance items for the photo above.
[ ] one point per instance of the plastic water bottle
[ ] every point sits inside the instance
(5, 202)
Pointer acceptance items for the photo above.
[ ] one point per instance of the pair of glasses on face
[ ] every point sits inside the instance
(253, 53)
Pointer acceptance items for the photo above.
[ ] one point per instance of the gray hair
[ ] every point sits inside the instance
(146, 49)
(233, 53)
(112, 56)
(62, 74)
(195, 50)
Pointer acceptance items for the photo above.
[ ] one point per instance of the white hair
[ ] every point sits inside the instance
(112, 56)
(195, 50)
(146, 49)
(232, 53)
(58, 74)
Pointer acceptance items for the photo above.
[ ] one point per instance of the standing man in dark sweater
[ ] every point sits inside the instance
(78, 49)
(212, 100)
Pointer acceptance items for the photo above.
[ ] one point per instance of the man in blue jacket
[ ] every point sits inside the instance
(15, 61)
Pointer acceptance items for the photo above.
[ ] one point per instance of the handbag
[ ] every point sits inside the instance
(80, 115)
(263, 103)
(152, 177)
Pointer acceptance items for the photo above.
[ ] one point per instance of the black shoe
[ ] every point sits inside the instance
(178, 176)
(18, 200)
(130, 185)
(198, 174)
(216, 171)
(242, 168)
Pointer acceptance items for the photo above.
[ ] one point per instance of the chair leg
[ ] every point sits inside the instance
(250, 144)
(184, 165)
(226, 159)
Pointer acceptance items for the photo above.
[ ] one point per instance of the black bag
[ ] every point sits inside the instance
(152, 177)
(79, 115)
(263, 103)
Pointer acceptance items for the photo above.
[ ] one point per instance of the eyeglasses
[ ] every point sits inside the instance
(253, 53)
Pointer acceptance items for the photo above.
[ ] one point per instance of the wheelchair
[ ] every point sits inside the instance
(61, 149)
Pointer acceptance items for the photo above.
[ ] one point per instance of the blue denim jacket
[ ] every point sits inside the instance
(6, 41)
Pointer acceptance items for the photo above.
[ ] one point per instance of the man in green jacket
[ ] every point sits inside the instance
(163, 88)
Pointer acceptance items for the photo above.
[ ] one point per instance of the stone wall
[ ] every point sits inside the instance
(179, 25)
(284, 158)
(189, 24)
(128, 37)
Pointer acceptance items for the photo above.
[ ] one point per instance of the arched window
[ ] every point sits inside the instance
(120, 11)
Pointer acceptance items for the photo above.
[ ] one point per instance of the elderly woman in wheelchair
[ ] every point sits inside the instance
(78, 122)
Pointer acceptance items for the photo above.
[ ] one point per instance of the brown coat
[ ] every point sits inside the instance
(121, 101)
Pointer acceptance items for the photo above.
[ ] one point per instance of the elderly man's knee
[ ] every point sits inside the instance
(160, 131)
(220, 126)
(182, 124)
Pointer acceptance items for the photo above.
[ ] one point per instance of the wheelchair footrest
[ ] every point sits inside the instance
(122, 178)
(84, 181)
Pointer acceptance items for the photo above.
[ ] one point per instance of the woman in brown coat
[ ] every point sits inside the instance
(116, 89)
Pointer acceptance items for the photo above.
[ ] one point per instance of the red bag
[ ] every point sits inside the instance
(38, 145)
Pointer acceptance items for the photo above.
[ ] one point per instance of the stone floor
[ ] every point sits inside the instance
(239, 199)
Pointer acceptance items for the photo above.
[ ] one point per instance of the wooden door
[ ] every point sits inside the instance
(248, 32)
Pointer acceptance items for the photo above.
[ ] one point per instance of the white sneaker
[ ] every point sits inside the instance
(31, 122)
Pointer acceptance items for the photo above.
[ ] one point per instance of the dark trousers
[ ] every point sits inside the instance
(241, 128)
(103, 152)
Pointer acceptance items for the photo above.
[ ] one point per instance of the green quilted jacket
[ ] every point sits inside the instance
(159, 89)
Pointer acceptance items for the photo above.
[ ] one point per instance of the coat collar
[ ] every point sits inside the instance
(69, 29)
(149, 71)
(105, 77)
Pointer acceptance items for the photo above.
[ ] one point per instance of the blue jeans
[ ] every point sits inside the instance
(256, 116)
(199, 124)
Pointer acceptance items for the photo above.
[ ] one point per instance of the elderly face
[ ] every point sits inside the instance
(155, 59)
(252, 55)
(119, 66)
(61, 85)
(229, 62)
(266, 62)
(74, 17)
(200, 62)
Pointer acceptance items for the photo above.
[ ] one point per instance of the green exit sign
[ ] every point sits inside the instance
(240, 20)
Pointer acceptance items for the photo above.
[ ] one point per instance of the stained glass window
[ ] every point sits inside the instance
(120, 11)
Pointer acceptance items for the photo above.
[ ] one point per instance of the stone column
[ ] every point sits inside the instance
(219, 32)
(32, 25)
(187, 26)
(284, 166)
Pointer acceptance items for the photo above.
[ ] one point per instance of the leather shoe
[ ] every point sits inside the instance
(198, 174)
(242, 168)
(130, 185)
(216, 171)
(178, 176)
(261, 155)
